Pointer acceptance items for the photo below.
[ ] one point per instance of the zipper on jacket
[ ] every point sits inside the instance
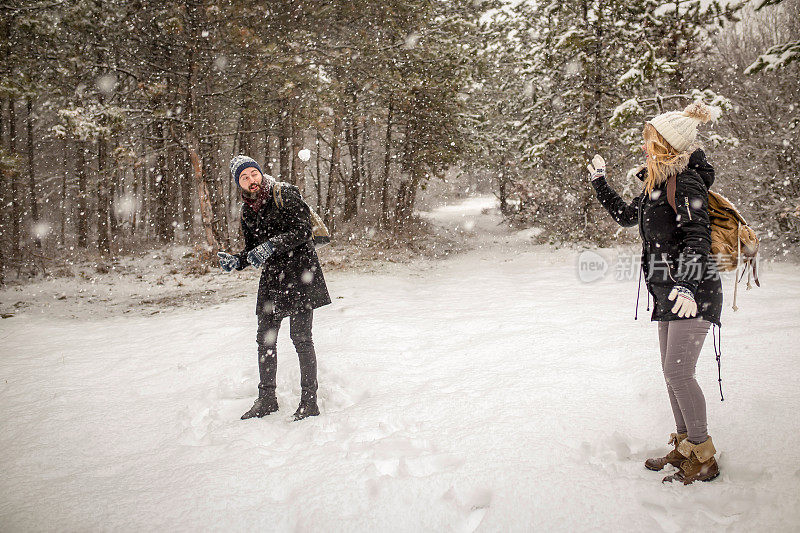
(687, 207)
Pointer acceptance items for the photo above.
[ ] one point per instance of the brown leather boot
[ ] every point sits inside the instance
(673, 458)
(699, 464)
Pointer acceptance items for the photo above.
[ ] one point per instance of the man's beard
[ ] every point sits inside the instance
(254, 197)
(253, 191)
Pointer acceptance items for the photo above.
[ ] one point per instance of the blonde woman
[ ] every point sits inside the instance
(672, 215)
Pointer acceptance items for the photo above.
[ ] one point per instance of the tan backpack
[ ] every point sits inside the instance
(320, 233)
(734, 244)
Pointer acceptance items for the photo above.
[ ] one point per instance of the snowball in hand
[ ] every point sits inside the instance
(304, 154)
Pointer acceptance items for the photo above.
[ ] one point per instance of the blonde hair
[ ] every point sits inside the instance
(663, 160)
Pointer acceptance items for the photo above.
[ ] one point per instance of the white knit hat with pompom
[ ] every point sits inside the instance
(679, 128)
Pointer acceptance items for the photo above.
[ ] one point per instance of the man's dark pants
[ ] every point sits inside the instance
(267, 339)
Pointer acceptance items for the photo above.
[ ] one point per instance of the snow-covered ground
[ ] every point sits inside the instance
(492, 391)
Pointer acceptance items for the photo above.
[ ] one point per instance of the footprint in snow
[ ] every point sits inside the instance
(429, 465)
(339, 392)
(395, 455)
(662, 516)
(473, 507)
(616, 451)
(196, 426)
(237, 388)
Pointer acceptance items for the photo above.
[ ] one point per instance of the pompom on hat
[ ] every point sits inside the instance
(679, 128)
(241, 162)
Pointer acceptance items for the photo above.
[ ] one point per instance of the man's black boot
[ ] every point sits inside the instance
(262, 407)
(308, 407)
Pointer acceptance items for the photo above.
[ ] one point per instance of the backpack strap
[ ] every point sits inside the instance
(755, 271)
(672, 186)
(277, 194)
(736, 278)
(718, 354)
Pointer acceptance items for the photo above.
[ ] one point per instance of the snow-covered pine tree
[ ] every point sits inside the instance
(581, 48)
(667, 39)
(497, 91)
(758, 169)
(780, 55)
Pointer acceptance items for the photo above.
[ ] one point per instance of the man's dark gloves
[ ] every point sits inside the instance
(259, 255)
(228, 262)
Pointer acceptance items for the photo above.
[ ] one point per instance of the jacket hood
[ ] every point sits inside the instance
(699, 164)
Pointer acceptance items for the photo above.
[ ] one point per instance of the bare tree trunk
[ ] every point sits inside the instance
(31, 174)
(174, 171)
(284, 143)
(195, 23)
(186, 192)
(103, 237)
(114, 186)
(406, 193)
(219, 202)
(387, 163)
(62, 208)
(269, 164)
(333, 170)
(406, 199)
(103, 241)
(364, 169)
(241, 144)
(15, 199)
(3, 199)
(138, 185)
(148, 197)
(267, 147)
(82, 226)
(229, 190)
(113, 223)
(208, 169)
(162, 228)
(202, 193)
(298, 165)
(247, 139)
(400, 214)
(502, 189)
(319, 174)
(351, 134)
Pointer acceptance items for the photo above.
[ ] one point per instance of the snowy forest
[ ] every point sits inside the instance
(119, 118)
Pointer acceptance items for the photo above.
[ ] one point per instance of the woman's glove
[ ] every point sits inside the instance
(227, 262)
(597, 168)
(259, 255)
(685, 306)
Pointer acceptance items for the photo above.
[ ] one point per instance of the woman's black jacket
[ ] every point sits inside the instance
(675, 246)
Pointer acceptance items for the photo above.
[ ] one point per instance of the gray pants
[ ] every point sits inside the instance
(681, 341)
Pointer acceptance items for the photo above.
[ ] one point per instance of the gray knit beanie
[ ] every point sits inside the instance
(679, 128)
